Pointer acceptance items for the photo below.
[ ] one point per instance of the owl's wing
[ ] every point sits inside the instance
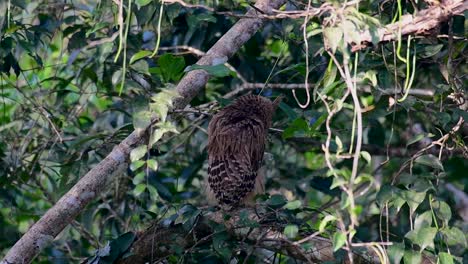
(235, 154)
(230, 179)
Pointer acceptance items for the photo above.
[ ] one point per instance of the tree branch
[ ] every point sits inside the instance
(155, 243)
(422, 23)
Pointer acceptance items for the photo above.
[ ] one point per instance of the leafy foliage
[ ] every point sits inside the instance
(75, 81)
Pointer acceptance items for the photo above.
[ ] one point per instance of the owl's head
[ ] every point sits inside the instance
(257, 107)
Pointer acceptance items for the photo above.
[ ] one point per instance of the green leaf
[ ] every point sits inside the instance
(153, 193)
(415, 139)
(298, 125)
(413, 199)
(426, 51)
(141, 120)
(139, 55)
(333, 36)
(293, 205)
(318, 122)
(423, 220)
(288, 111)
(396, 252)
(339, 240)
(384, 195)
(397, 202)
(156, 136)
(445, 258)
(219, 70)
(423, 237)
(141, 3)
(371, 75)
(160, 109)
(152, 164)
(431, 161)
(364, 178)
(165, 97)
(366, 156)
(162, 128)
(136, 164)
(338, 182)
(412, 257)
(339, 145)
(352, 32)
(139, 178)
(139, 189)
(442, 211)
(117, 247)
(171, 67)
(325, 221)
(276, 201)
(291, 231)
(138, 153)
(454, 236)
(167, 127)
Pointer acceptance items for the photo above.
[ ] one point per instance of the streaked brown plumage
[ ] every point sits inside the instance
(236, 142)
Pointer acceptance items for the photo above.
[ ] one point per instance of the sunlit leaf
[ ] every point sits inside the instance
(136, 164)
(366, 156)
(327, 219)
(219, 70)
(156, 136)
(138, 152)
(333, 36)
(141, 120)
(291, 231)
(152, 164)
(139, 55)
(445, 258)
(139, 189)
(339, 239)
(293, 205)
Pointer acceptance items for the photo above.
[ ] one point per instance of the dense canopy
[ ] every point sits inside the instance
(104, 109)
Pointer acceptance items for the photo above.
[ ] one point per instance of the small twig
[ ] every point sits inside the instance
(368, 244)
(308, 238)
(101, 41)
(439, 142)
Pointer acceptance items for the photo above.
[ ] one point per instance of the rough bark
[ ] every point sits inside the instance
(422, 23)
(95, 181)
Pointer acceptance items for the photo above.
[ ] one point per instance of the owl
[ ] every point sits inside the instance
(236, 143)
